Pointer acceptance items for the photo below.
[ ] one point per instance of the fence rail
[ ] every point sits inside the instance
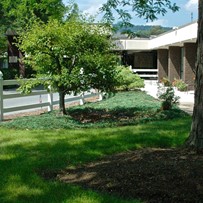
(48, 104)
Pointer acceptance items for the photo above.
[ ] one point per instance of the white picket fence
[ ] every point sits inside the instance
(48, 104)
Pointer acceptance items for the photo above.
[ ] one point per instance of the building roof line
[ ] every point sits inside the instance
(176, 37)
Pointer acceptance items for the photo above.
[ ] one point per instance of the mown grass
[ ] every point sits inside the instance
(26, 153)
(125, 108)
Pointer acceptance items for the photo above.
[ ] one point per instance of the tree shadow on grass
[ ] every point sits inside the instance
(42, 154)
(92, 115)
(122, 116)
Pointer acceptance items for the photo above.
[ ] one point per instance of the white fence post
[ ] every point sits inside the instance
(100, 96)
(1, 96)
(82, 99)
(50, 100)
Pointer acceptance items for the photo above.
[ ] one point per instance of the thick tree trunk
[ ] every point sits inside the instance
(62, 108)
(196, 135)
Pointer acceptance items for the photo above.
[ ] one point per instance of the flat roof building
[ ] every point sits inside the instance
(171, 55)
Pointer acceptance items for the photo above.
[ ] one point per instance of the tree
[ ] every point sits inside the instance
(196, 135)
(73, 12)
(71, 57)
(17, 14)
(148, 9)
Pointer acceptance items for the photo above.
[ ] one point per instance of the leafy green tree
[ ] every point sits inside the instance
(127, 80)
(73, 13)
(147, 9)
(72, 57)
(17, 14)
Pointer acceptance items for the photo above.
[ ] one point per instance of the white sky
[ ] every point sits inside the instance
(188, 8)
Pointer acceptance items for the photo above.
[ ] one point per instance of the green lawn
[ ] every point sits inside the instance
(27, 153)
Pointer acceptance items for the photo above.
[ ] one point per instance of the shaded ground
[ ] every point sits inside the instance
(91, 115)
(152, 175)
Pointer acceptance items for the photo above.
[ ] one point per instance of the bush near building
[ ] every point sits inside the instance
(180, 84)
(127, 80)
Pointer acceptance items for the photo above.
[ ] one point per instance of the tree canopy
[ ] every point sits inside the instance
(73, 57)
(17, 14)
(147, 9)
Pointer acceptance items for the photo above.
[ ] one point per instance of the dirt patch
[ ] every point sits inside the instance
(94, 115)
(152, 175)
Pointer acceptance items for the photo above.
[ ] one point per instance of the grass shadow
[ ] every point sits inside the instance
(27, 155)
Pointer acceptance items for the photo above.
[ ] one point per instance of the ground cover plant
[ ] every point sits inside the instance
(124, 108)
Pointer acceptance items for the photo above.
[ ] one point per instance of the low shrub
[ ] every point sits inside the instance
(180, 84)
(127, 80)
(168, 98)
(166, 82)
(9, 73)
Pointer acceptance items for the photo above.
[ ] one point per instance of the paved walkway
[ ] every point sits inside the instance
(186, 98)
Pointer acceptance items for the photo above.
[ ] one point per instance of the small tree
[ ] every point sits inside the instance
(73, 57)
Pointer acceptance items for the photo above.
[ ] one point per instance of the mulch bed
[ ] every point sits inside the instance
(151, 175)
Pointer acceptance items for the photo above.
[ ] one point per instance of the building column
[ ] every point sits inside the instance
(162, 63)
(174, 63)
(189, 59)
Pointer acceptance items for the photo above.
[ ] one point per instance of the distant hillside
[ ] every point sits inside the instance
(140, 30)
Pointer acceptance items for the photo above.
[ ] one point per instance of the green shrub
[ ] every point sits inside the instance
(180, 84)
(127, 80)
(168, 98)
(166, 82)
(9, 73)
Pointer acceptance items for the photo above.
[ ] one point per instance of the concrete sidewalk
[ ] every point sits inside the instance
(186, 101)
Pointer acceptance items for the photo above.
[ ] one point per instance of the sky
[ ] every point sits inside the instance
(188, 12)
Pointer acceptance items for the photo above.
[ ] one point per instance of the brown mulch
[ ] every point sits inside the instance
(98, 115)
(151, 175)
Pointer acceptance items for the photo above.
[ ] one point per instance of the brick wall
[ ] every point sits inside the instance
(190, 50)
(174, 63)
(162, 63)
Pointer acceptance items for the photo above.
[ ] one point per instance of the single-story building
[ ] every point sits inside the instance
(171, 55)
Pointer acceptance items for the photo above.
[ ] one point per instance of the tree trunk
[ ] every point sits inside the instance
(196, 135)
(62, 108)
